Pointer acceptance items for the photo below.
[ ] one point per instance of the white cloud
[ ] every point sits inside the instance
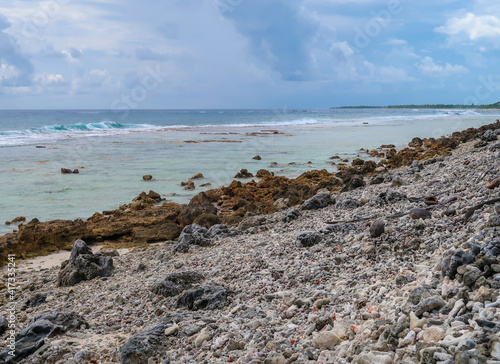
(395, 42)
(429, 68)
(472, 27)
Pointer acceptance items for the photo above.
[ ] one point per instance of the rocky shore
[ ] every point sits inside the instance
(389, 261)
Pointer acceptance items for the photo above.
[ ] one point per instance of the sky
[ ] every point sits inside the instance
(123, 54)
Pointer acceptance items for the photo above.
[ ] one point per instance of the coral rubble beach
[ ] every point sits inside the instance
(394, 261)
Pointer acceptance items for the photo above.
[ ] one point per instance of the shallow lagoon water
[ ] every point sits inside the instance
(174, 145)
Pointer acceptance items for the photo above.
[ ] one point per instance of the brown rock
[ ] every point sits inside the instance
(197, 176)
(189, 186)
(415, 142)
(66, 171)
(243, 174)
(257, 158)
(147, 177)
(75, 171)
(358, 162)
(368, 167)
(200, 199)
(377, 228)
(419, 213)
(493, 183)
(261, 173)
(190, 213)
(16, 220)
(387, 146)
(207, 220)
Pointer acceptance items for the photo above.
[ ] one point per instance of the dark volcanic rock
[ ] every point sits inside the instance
(175, 283)
(220, 231)
(45, 325)
(347, 204)
(204, 298)
(83, 265)
(146, 344)
(489, 136)
(454, 259)
(192, 235)
(3, 325)
(419, 213)
(318, 201)
(309, 238)
(355, 182)
(377, 228)
(292, 214)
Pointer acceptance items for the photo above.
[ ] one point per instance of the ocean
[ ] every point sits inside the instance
(114, 150)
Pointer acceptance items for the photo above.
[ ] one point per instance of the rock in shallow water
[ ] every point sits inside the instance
(83, 265)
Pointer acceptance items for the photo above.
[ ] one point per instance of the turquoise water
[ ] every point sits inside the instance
(113, 151)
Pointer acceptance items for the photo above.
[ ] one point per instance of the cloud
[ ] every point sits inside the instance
(395, 42)
(429, 68)
(16, 67)
(279, 35)
(472, 27)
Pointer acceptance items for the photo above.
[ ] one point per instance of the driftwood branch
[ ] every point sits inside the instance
(471, 211)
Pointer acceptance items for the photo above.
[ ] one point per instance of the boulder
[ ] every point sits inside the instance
(191, 212)
(41, 327)
(418, 213)
(347, 204)
(204, 298)
(148, 343)
(354, 183)
(489, 136)
(416, 142)
(309, 238)
(192, 235)
(251, 221)
(189, 185)
(257, 158)
(175, 283)
(377, 228)
(261, 173)
(83, 265)
(292, 214)
(207, 220)
(197, 176)
(318, 201)
(243, 174)
(220, 231)
(147, 177)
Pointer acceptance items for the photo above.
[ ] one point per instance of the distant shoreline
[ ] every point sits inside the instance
(495, 106)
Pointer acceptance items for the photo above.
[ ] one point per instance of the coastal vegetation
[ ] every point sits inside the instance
(495, 105)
